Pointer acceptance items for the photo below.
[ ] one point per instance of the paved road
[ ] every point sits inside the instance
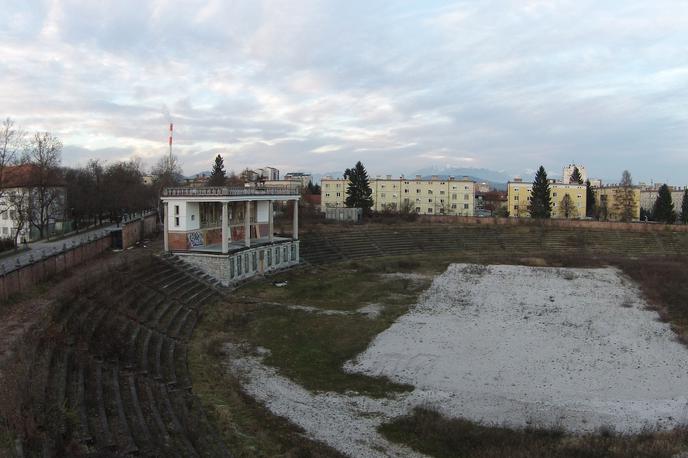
(37, 249)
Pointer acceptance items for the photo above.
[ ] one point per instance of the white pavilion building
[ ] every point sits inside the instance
(228, 231)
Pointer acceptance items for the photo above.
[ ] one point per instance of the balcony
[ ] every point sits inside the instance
(225, 191)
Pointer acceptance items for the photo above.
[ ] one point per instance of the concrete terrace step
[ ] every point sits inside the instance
(128, 402)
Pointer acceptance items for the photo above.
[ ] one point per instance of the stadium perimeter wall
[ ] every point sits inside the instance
(563, 223)
(26, 276)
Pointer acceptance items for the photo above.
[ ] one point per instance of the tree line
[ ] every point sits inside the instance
(35, 188)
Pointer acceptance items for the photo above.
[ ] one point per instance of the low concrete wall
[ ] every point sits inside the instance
(353, 215)
(235, 267)
(138, 228)
(25, 277)
(566, 223)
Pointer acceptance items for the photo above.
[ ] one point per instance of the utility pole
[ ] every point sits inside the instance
(171, 125)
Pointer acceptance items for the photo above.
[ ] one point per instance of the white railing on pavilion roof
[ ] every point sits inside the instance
(220, 191)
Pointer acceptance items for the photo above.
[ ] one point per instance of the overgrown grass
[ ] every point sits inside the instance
(664, 282)
(343, 286)
(429, 432)
(310, 348)
(247, 428)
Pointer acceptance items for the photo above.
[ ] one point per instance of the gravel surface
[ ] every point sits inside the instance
(516, 345)
(505, 345)
(347, 423)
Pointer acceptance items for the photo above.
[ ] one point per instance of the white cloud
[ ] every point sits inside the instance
(326, 149)
(317, 85)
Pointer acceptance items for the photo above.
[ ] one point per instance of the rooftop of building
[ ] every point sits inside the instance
(28, 176)
(404, 178)
(230, 191)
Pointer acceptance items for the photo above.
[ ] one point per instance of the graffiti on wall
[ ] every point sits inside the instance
(195, 239)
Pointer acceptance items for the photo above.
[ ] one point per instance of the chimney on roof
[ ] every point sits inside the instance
(518, 179)
(451, 178)
(417, 177)
(389, 177)
(434, 177)
(465, 178)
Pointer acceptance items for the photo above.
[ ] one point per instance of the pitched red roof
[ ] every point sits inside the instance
(312, 198)
(28, 175)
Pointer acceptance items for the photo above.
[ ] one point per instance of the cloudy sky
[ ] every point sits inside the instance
(315, 85)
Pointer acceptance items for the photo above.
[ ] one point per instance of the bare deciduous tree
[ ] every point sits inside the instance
(43, 154)
(567, 208)
(166, 173)
(624, 198)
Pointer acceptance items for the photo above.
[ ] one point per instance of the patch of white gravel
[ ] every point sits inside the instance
(372, 311)
(310, 309)
(407, 276)
(519, 346)
(347, 423)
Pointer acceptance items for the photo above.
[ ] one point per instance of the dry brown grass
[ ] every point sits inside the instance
(430, 433)
(664, 283)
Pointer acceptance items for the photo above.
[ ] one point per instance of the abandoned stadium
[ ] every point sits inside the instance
(403, 339)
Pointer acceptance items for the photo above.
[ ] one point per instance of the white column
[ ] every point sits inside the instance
(295, 224)
(225, 225)
(247, 224)
(166, 225)
(271, 224)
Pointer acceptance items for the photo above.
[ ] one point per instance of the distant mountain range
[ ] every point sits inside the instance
(495, 179)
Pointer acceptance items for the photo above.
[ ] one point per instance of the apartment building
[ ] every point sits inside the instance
(434, 196)
(19, 202)
(519, 192)
(606, 202)
(304, 178)
(567, 172)
(648, 196)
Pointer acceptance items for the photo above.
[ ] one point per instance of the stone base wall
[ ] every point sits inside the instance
(235, 267)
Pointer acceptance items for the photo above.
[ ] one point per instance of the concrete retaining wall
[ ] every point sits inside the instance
(138, 228)
(25, 277)
(235, 267)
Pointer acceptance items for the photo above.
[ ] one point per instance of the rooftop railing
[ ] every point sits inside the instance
(221, 191)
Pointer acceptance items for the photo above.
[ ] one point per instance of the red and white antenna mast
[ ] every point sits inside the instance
(171, 126)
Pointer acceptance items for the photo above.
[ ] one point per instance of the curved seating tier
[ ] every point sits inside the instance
(117, 378)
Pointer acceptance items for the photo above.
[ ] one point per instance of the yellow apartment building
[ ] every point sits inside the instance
(605, 201)
(518, 195)
(426, 197)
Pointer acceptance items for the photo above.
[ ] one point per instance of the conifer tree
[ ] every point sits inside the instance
(218, 177)
(684, 207)
(358, 192)
(540, 199)
(576, 177)
(664, 208)
(589, 200)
